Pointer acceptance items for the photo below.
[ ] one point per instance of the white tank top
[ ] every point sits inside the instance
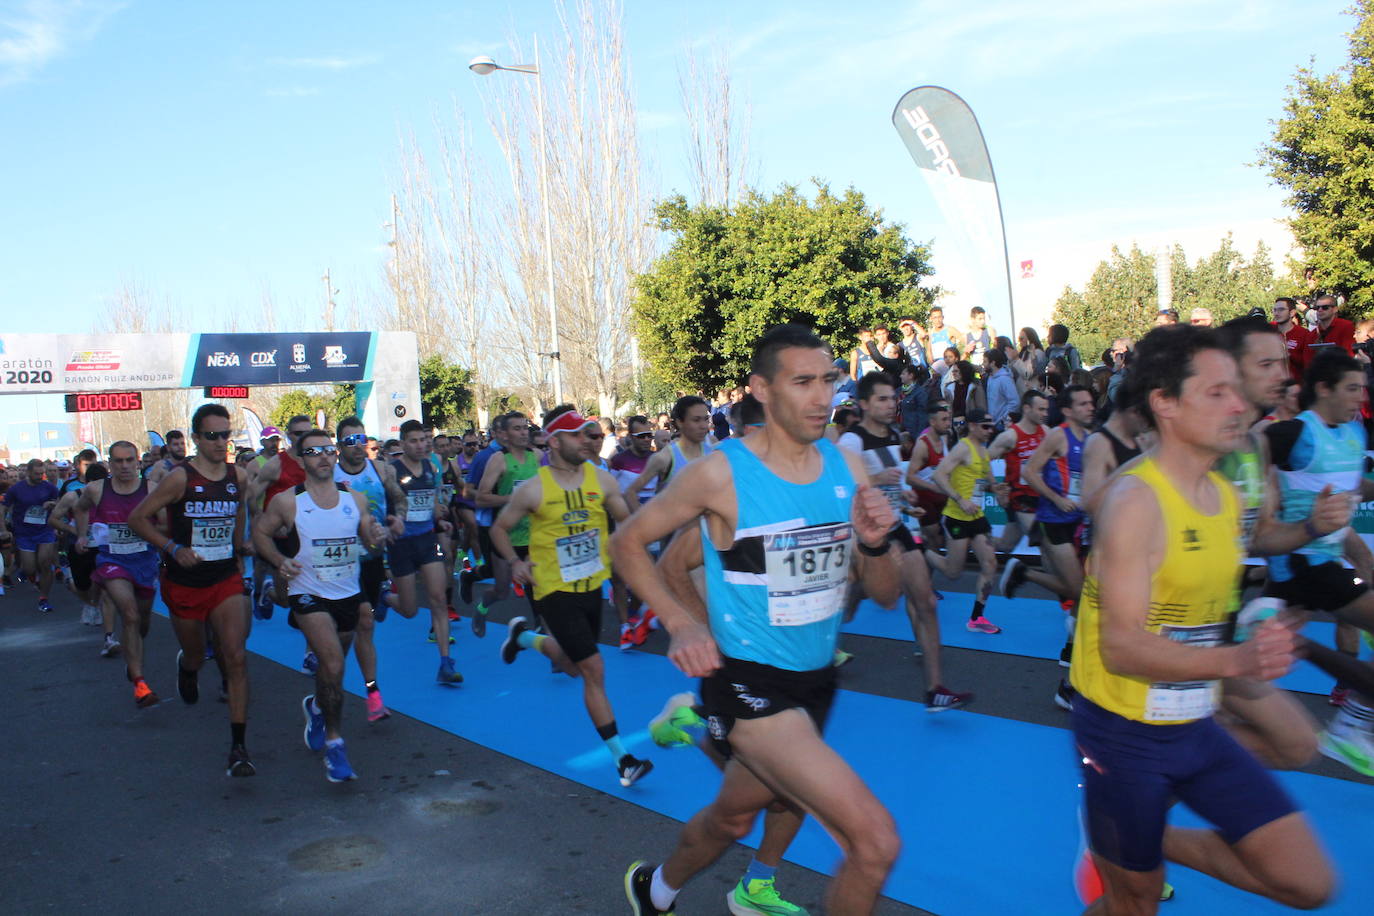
(329, 551)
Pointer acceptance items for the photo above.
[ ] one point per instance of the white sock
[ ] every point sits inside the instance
(659, 891)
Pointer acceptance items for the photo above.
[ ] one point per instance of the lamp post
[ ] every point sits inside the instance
(484, 66)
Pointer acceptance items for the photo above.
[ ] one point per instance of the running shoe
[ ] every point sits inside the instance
(188, 684)
(336, 767)
(519, 589)
(669, 727)
(90, 616)
(982, 625)
(841, 658)
(240, 764)
(1066, 655)
(479, 621)
(758, 897)
(380, 611)
(314, 724)
(639, 877)
(942, 700)
(645, 625)
(1338, 696)
(111, 646)
(265, 606)
(1013, 577)
(376, 709)
(310, 664)
(453, 614)
(1087, 881)
(1064, 694)
(45, 605)
(432, 639)
(143, 695)
(448, 673)
(627, 636)
(511, 647)
(632, 769)
(1166, 893)
(1347, 739)
(466, 578)
(248, 586)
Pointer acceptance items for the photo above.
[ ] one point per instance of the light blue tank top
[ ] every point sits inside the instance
(775, 595)
(680, 460)
(369, 483)
(1322, 455)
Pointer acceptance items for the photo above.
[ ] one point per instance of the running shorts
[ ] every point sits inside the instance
(573, 620)
(82, 564)
(407, 554)
(1318, 587)
(963, 531)
(901, 536)
(195, 603)
(371, 575)
(31, 542)
(1024, 503)
(741, 689)
(1061, 532)
(343, 610)
(144, 580)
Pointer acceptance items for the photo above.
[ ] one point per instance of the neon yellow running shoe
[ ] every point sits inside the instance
(760, 898)
(669, 727)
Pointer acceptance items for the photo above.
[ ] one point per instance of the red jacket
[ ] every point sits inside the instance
(1341, 333)
(1296, 340)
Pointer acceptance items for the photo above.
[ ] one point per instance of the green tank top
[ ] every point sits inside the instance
(1243, 468)
(515, 472)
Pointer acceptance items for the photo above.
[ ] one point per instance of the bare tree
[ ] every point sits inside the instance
(717, 128)
(133, 310)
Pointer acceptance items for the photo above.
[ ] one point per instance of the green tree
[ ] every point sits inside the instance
(445, 392)
(733, 272)
(1323, 154)
(338, 402)
(291, 403)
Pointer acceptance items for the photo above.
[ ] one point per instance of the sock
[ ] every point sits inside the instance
(108, 634)
(757, 871)
(610, 734)
(528, 639)
(977, 610)
(238, 730)
(334, 742)
(315, 707)
(371, 686)
(660, 893)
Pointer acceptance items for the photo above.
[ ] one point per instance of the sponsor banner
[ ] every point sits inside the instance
(41, 363)
(946, 143)
(280, 359)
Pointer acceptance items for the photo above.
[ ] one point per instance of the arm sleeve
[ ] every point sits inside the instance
(1282, 437)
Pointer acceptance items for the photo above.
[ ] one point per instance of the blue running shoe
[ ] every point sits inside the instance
(310, 664)
(314, 724)
(264, 607)
(380, 611)
(448, 673)
(45, 605)
(336, 767)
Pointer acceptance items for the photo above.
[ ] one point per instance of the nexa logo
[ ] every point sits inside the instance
(930, 139)
(220, 358)
(263, 358)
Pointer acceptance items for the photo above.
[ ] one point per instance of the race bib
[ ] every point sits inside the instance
(1169, 702)
(1075, 485)
(893, 492)
(419, 505)
(36, 515)
(213, 538)
(446, 493)
(807, 573)
(579, 555)
(121, 539)
(334, 559)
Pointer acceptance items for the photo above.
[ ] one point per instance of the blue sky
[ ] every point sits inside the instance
(216, 153)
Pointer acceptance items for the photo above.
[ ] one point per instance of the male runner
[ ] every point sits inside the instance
(628, 466)
(484, 515)
(80, 563)
(964, 476)
(692, 417)
(518, 463)
(1149, 654)
(418, 549)
(277, 474)
(875, 442)
(464, 508)
(926, 456)
(376, 482)
(437, 454)
(202, 579)
(329, 525)
(1016, 444)
(567, 506)
(796, 516)
(126, 566)
(30, 501)
(176, 453)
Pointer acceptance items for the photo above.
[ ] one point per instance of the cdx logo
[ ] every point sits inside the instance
(263, 358)
(930, 139)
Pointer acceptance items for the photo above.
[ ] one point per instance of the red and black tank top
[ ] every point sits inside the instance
(203, 519)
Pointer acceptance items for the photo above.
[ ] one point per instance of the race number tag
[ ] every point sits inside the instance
(893, 492)
(420, 505)
(1172, 702)
(807, 573)
(579, 555)
(334, 559)
(446, 493)
(1075, 485)
(122, 540)
(213, 538)
(36, 515)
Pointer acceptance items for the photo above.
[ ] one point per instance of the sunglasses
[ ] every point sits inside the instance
(214, 435)
(647, 434)
(986, 426)
(1323, 308)
(316, 451)
(354, 439)
(395, 454)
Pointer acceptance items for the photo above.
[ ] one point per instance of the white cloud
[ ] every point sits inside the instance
(35, 32)
(291, 91)
(327, 63)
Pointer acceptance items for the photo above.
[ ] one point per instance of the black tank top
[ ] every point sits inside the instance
(1120, 450)
(203, 519)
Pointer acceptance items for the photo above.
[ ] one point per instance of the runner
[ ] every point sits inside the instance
(201, 581)
(464, 508)
(774, 601)
(484, 516)
(30, 501)
(278, 473)
(377, 483)
(418, 549)
(1149, 653)
(502, 473)
(126, 566)
(627, 466)
(80, 562)
(176, 453)
(567, 506)
(692, 417)
(964, 475)
(926, 456)
(1016, 444)
(875, 442)
(438, 453)
(328, 525)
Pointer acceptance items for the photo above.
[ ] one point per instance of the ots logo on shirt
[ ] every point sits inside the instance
(576, 517)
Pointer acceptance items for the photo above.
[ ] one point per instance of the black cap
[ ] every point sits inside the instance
(977, 416)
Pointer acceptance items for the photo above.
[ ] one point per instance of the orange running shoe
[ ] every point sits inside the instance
(143, 695)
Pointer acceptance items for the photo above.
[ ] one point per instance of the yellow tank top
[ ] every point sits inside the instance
(968, 481)
(568, 535)
(1191, 598)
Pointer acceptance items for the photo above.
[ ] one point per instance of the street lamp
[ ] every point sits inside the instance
(485, 66)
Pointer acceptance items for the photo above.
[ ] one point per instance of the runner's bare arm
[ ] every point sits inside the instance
(88, 500)
(395, 498)
(264, 478)
(487, 497)
(654, 469)
(1271, 537)
(278, 514)
(57, 518)
(873, 519)
(1033, 473)
(371, 534)
(172, 488)
(1005, 442)
(1128, 548)
(1098, 464)
(675, 565)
